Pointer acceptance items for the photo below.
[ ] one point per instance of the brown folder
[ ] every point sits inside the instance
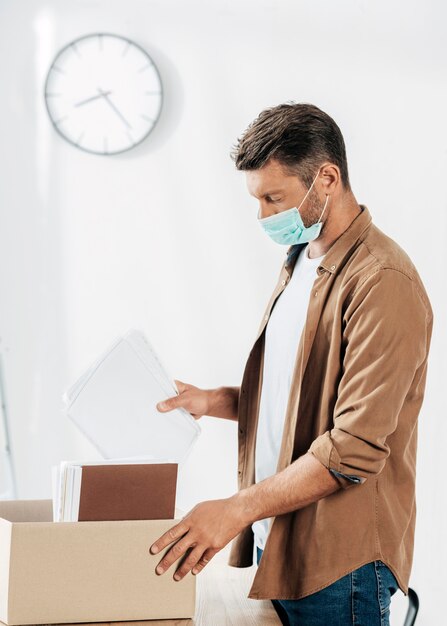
(128, 491)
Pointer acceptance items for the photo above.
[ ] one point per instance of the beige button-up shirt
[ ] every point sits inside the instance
(356, 393)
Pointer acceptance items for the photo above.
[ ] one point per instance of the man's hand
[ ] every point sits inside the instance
(204, 531)
(220, 402)
(191, 398)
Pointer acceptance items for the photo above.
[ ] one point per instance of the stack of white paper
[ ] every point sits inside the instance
(113, 404)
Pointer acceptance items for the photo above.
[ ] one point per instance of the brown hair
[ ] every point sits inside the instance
(300, 136)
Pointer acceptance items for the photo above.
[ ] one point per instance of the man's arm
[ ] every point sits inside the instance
(305, 481)
(386, 336)
(224, 402)
(210, 525)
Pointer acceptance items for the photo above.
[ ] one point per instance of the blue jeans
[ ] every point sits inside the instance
(361, 598)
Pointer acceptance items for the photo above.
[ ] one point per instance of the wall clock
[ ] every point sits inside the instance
(103, 93)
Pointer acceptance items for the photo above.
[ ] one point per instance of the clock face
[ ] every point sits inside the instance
(103, 93)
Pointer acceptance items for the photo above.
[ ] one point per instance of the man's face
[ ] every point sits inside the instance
(277, 191)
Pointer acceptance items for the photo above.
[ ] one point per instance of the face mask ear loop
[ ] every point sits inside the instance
(308, 191)
(324, 209)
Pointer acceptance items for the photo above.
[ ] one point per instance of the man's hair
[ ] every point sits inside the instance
(300, 136)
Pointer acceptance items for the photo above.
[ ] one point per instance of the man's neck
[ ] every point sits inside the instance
(341, 215)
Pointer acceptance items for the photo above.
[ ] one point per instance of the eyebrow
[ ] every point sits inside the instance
(272, 193)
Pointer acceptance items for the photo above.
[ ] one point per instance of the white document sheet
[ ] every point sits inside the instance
(113, 404)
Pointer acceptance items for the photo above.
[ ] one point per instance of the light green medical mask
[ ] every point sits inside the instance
(286, 227)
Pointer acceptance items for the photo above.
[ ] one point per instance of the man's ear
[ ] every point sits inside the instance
(330, 178)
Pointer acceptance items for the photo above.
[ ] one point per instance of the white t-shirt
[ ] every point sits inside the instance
(282, 336)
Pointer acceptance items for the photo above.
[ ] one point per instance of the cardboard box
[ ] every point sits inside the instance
(65, 572)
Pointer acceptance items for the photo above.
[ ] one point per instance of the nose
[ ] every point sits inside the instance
(263, 211)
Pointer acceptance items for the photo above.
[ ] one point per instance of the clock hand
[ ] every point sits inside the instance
(90, 99)
(117, 111)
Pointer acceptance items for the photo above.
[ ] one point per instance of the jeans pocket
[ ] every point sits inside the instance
(387, 586)
(389, 576)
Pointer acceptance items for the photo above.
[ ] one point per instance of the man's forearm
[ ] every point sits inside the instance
(305, 481)
(224, 402)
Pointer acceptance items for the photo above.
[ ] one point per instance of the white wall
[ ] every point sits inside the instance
(165, 237)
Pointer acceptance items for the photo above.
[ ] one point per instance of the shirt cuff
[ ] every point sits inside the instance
(327, 454)
(352, 478)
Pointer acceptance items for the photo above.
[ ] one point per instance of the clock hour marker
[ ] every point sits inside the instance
(126, 48)
(100, 41)
(105, 144)
(152, 93)
(145, 117)
(146, 67)
(57, 69)
(52, 95)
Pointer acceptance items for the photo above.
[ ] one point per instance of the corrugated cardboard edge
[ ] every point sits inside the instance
(5, 550)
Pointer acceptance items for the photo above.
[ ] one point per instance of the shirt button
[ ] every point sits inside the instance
(283, 282)
(316, 294)
(333, 267)
(266, 317)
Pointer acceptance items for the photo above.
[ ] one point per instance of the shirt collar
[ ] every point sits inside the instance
(341, 247)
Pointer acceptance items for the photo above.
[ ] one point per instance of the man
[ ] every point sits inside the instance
(329, 401)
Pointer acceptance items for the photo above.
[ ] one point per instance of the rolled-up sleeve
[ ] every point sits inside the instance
(384, 345)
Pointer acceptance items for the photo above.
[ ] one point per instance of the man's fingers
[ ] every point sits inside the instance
(189, 562)
(204, 560)
(181, 386)
(177, 550)
(175, 401)
(169, 404)
(168, 537)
